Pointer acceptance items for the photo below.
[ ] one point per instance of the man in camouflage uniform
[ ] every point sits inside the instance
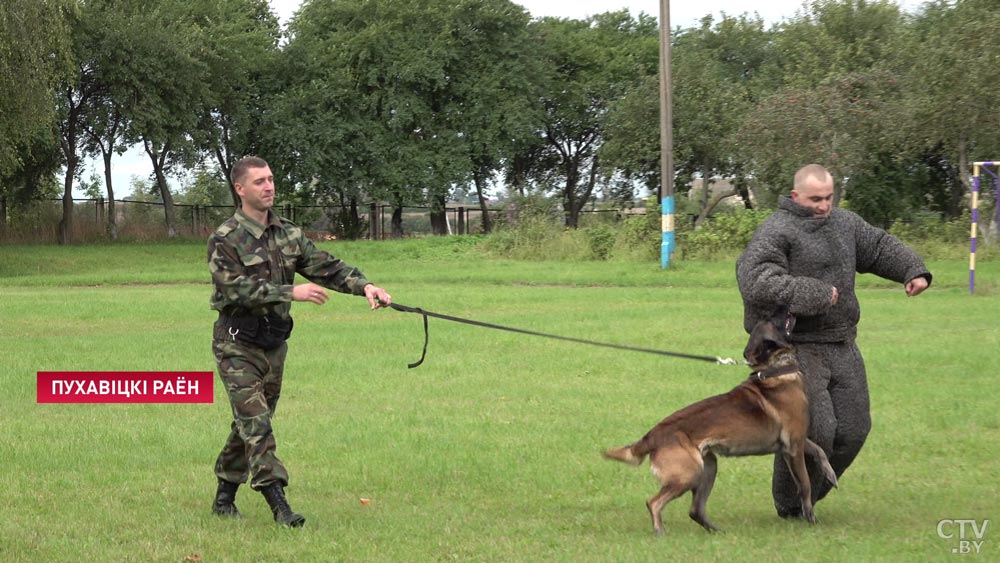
(253, 258)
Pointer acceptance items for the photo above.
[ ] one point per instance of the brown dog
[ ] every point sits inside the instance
(768, 413)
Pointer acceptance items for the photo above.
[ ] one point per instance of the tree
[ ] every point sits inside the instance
(832, 38)
(492, 105)
(632, 143)
(105, 134)
(840, 124)
(330, 126)
(105, 122)
(206, 188)
(837, 103)
(951, 94)
(36, 57)
(240, 50)
(76, 93)
(590, 64)
(170, 89)
(400, 101)
(717, 74)
(34, 178)
(720, 75)
(136, 65)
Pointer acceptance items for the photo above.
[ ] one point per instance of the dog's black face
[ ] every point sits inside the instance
(769, 336)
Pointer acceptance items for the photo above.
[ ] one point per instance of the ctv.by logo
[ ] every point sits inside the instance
(970, 534)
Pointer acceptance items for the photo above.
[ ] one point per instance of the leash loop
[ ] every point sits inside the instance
(427, 337)
(424, 313)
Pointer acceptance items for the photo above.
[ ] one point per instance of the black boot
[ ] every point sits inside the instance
(275, 495)
(225, 500)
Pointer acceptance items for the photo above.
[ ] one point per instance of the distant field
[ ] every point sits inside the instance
(490, 450)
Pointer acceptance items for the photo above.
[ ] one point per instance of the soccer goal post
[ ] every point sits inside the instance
(977, 168)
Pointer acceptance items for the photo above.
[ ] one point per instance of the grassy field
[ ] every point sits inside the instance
(490, 450)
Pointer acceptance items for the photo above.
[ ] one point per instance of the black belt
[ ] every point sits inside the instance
(266, 331)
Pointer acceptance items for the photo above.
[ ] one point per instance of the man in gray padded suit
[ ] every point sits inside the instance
(806, 255)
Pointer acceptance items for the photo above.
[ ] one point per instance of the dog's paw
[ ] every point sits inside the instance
(704, 522)
(831, 477)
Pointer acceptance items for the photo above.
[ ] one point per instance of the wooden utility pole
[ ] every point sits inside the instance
(666, 140)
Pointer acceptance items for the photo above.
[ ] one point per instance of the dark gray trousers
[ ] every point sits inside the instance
(840, 419)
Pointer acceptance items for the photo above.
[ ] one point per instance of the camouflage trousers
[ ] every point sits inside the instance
(252, 378)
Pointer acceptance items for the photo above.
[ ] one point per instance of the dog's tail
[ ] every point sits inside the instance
(625, 454)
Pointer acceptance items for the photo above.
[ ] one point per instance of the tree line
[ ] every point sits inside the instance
(407, 102)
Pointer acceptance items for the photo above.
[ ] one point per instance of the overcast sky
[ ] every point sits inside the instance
(684, 13)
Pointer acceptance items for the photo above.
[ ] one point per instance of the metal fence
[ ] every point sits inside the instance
(38, 221)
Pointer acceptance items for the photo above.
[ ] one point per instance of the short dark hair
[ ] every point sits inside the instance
(244, 164)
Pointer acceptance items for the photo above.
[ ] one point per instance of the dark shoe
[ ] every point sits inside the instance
(225, 500)
(275, 496)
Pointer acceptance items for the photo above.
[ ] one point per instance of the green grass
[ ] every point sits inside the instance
(490, 450)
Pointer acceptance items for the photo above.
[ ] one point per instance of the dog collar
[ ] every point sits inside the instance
(761, 375)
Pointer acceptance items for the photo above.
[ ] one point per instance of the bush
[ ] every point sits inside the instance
(934, 238)
(638, 237)
(601, 240)
(928, 227)
(533, 230)
(722, 236)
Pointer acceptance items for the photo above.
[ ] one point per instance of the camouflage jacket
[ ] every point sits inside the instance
(253, 266)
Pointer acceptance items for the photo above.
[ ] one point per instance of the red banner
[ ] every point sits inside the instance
(125, 386)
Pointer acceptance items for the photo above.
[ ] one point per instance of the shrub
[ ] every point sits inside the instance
(638, 237)
(722, 236)
(929, 227)
(935, 238)
(531, 228)
(601, 240)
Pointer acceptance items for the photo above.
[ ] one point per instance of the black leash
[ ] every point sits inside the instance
(425, 314)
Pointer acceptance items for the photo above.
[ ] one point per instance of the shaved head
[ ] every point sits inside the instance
(813, 189)
(808, 171)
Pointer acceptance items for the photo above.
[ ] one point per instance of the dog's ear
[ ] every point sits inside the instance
(764, 340)
(755, 346)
